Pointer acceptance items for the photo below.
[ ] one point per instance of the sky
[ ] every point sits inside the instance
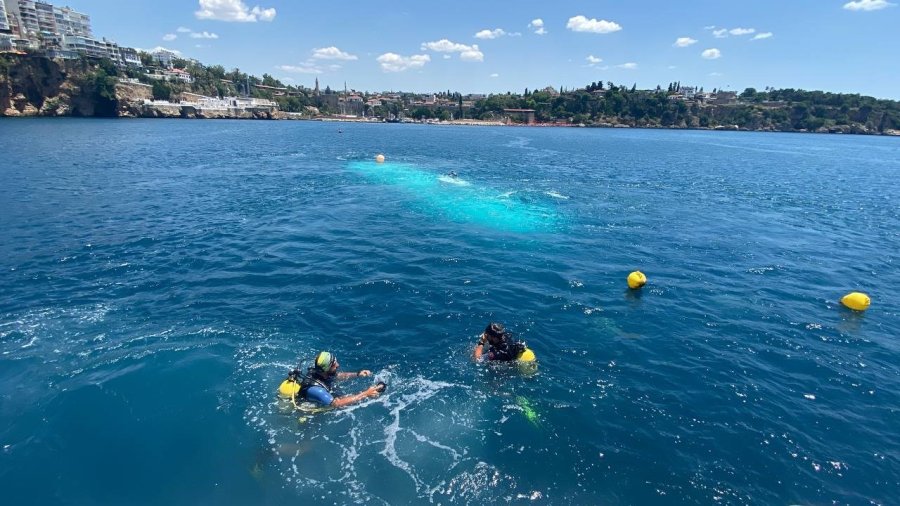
(494, 46)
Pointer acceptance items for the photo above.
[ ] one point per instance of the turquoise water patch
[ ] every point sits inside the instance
(460, 200)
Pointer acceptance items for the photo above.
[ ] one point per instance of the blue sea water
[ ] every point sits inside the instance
(158, 278)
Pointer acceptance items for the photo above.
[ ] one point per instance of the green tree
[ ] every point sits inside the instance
(100, 87)
(162, 90)
(146, 59)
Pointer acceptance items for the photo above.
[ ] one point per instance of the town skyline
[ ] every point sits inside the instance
(835, 46)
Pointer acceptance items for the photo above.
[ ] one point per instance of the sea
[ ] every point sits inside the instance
(160, 278)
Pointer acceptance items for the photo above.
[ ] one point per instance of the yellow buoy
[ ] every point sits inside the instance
(636, 280)
(288, 388)
(527, 356)
(857, 301)
(379, 158)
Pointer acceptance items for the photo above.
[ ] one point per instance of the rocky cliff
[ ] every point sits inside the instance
(37, 86)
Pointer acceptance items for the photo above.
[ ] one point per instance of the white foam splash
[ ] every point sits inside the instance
(454, 180)
(425, 389)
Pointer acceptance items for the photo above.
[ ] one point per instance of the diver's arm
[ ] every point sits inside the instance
(346, 400)
(348, 375)
(479, 348)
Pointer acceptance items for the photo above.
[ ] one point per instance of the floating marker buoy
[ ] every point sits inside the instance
(636, 280)
(857, 301)
(288, 388)
(527, 355)
(379, 158)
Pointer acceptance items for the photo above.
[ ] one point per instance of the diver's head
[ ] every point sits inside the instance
(326, 363)
(495, 333)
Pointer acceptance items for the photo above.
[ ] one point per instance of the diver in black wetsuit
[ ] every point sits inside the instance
(502, 347)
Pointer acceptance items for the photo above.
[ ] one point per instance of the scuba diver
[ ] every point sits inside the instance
(503, 348)
(317, 384)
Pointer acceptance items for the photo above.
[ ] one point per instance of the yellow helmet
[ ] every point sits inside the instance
(324, 361)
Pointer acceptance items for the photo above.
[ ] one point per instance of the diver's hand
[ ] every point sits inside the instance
(373, 391)
(364, 373)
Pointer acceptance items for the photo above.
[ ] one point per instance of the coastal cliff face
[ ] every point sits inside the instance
(37, 86)
(33, 87)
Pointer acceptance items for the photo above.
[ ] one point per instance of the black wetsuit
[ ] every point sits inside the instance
(317, 387)
(505, 351)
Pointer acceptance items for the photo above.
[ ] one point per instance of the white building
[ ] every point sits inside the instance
(71, 22)
(688, 91)
(22, 17)
(164, 57)
(179, 75)
(4, 19)
(85, 45)
(59, 31)
(45, 18)
(130, 56)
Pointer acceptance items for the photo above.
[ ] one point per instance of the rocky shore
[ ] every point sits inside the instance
(33, 86)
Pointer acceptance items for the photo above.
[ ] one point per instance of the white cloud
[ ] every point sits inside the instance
(538, 26)
(711, 54)
(684, 41)
(447, 57)
(496, 33)
(332, 53)
(393, 62)
(628, 66)
(303, 68)
(672, 67)
(472, 54)
(742, 31)
(313, 65)
(715, 74)
(722, 33)
(495, 75)
(765, 35)
(583, 24)
(203, 35)
(466, 53)
(192, 34)
(444, 46)
(710, 27)
(593, 60)
(233, 10)
(867, 5)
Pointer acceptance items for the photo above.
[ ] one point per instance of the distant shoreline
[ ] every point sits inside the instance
(38, 86)
(279, 116)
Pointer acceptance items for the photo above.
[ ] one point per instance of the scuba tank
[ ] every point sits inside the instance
(290, 387)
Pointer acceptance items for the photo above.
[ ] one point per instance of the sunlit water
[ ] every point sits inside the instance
(159, 278)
